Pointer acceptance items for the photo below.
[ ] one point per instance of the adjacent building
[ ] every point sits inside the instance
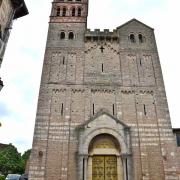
(9, 10)
(102, 110)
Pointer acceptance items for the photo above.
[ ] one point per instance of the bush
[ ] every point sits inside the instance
(2, 177)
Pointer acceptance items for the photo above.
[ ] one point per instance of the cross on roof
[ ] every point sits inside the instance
(102, 49)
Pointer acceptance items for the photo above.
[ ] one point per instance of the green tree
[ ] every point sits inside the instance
(11, 161)
(25, 157)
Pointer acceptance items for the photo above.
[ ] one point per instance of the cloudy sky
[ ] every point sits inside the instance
(21, 68)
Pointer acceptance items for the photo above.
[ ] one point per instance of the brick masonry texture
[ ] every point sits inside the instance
(101, 71)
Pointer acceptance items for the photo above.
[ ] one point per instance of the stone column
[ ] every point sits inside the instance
(127, 166)
(85, 160)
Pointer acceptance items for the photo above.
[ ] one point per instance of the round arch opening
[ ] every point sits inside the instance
(104, 160)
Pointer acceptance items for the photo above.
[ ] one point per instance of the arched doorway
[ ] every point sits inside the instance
(104, 161)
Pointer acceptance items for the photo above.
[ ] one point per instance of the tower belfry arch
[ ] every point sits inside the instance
(102, 108)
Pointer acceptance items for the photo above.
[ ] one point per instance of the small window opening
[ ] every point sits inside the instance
(145, 112)
(71, 35)
(113, 110)
(63, 60)
(62, 35)
(58, 11)
(102, 67)
(93, 108)
(132, 38)
(79, 11)
(62, 109)
(64, 11)
(141, 40)
(140, 62)
(73, 12)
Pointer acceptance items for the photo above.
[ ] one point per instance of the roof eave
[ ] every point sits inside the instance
(20, 8)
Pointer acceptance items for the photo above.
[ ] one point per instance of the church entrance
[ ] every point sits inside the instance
(104, 161)
(104, 167)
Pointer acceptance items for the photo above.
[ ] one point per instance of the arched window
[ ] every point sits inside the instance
(58, 11)
(132, 38)
(71, 35)
(141, 38)
(73, 12)
(62, 35)
(79, 11)
(64, 11)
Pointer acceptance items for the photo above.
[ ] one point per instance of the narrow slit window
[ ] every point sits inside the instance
(102, 67)
(93, 108)
(63, 60)
(145, 112)
(113, 110)
(62, 109)
(140, 62)
(73, 12)
(64, 11)
(132, 38)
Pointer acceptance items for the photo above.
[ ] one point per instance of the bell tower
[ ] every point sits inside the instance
(54, 145)
(68, 21)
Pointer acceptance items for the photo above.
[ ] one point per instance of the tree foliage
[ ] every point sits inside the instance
(11, 161)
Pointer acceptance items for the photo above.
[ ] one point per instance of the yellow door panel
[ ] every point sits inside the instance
(104, 168)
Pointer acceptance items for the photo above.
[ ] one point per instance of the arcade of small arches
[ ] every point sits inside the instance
(64, 11)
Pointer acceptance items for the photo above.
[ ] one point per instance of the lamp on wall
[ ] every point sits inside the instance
(1, 84)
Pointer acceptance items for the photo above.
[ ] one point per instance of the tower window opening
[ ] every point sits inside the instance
(62, 35)
(71, 35)
(93, 108)
(79, 11)
(58, 11)
(73, 12)
(141, 39)
(64, 11)
(132, 38)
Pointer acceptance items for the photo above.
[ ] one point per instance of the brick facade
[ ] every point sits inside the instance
(96, 83)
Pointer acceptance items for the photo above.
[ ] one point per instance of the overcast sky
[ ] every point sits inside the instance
(22, 64)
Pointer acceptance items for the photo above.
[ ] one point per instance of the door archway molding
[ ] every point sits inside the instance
(103, 123)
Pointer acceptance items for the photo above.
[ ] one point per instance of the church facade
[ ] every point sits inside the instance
(102, 110)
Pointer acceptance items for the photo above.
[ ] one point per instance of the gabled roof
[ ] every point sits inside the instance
(100, 113)
(134, 20)
(20, 8)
